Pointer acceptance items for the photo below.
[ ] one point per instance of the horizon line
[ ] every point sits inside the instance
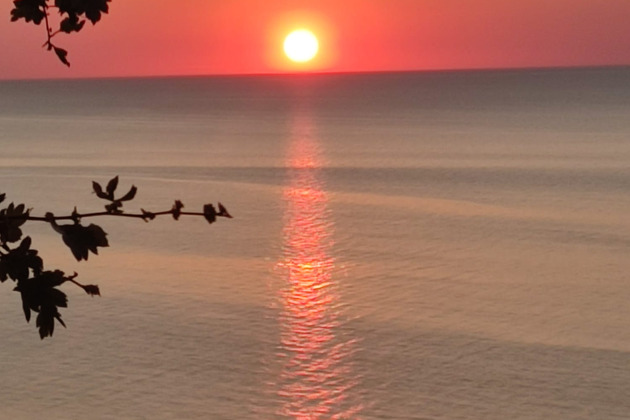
(330, 73)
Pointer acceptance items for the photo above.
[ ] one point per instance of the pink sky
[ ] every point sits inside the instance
(185, 37)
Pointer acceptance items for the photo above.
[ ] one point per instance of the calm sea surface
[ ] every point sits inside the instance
(405, 246)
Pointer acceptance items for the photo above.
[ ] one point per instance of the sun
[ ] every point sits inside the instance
(301, 45)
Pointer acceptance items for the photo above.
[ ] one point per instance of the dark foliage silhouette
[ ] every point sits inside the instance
(22, 265)
(72, 15)
(19, 262)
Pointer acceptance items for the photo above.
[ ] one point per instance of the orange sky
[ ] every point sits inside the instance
(169, 37)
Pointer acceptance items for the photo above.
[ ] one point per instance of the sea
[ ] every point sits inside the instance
(420, 245)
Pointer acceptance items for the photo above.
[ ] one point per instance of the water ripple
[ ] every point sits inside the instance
(315, 378)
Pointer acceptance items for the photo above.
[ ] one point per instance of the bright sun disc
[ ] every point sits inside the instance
(301, 45)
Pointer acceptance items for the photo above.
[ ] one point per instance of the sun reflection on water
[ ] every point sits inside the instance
(316, 379)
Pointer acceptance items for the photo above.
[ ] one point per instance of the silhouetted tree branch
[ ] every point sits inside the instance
(72, 16)
(19, 262)
(39, 288)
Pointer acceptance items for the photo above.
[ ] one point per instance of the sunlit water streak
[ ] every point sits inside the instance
(316, 380)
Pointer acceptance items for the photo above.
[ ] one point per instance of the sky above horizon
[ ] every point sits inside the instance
(198, 37)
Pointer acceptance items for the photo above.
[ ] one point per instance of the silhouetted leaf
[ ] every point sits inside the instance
(24, 245)
(94, 8)
(209, 213)
(45, 321)
(130, 195)
(69, 6)
(99, 191)
(92, 290)
(29, 10)
(11, 218)
(223, 212)
(17, 262)
(71, 24)
(116, 204)
(177, 209)
(147, 215)
(2, 197)
(62, 54)
(81, 239)
(114, 207)
(26, 308)
(111, 187)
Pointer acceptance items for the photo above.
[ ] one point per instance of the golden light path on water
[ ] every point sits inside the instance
(316, 378)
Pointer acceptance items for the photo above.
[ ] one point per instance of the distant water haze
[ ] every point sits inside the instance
(405, 246)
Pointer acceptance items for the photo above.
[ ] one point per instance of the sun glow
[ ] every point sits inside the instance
(301, 46)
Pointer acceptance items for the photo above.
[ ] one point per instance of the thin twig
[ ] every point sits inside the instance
(105, 213)
(48, 30)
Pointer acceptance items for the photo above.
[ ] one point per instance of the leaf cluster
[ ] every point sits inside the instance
(115, 204)
(11, 219)
(40, 294)
(39, 288)
(72, 17)
(29, 10)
